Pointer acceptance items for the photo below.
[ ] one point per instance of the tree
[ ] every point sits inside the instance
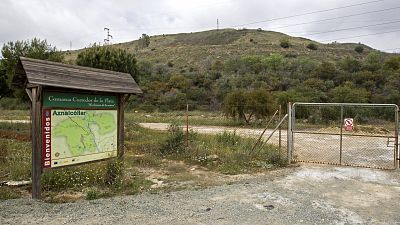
(350, 65)
(144, 41)
(11, 51)
(326, 71)
(246, 105)
(4, 89)
(108, 58)
(373, 62)
(349, 93)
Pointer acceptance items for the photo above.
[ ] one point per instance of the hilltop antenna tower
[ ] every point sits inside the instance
(107, 39)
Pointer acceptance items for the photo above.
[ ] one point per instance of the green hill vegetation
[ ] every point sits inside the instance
(206, 69)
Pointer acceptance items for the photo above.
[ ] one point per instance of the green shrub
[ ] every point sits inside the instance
(312, 46)
(359, 49)
(114, 173)
(175, 143)
(284, 43)
(137, 184)
(92, 194)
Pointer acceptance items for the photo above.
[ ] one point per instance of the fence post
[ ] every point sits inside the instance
(280, 130)
(396, 133)
(289, 134)
(187, 125)
(341, 135)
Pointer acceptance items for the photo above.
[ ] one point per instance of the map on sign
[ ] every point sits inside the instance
(79, 136)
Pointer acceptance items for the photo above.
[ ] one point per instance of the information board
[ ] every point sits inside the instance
(78, 128)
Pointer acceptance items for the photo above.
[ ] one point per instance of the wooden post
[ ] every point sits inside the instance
(36, 143)
(121, 127)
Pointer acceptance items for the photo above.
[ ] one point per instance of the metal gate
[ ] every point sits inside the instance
(363, 135)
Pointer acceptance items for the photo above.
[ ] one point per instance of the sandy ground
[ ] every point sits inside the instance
(374, 152)
(308, 194)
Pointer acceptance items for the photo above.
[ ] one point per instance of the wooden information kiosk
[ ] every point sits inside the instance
(77, 113)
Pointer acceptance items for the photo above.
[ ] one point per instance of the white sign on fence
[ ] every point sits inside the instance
(348, 124)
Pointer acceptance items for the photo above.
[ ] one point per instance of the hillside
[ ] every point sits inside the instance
(187, 50)
(211, 68)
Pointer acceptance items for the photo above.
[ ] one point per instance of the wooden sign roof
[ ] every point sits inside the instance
(52, 74)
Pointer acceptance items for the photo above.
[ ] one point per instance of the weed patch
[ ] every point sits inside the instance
(175, 143)
(92, 194)
(8, 193)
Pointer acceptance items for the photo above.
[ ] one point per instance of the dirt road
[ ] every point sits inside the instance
(309, 194)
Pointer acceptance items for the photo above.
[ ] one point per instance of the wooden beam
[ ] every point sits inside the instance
(29, 92)
(31, 85)
(126, 98)
(39, 94)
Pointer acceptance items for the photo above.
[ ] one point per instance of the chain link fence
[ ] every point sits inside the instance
(363, 135)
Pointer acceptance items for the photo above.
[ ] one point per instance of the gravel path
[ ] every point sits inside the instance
(309, 194)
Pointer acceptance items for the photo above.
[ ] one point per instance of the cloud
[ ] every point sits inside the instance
(82, 22)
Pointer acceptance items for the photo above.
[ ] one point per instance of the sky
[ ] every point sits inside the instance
(75, 24)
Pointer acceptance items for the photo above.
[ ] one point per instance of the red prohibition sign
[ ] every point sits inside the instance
(348, 122)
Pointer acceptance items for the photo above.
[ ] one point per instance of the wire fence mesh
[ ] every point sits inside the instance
(217, 124)
(362, 135)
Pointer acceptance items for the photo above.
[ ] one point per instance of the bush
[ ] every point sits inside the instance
(114, 173)
(175, 143)
(3, 152)
(359, 49)
(228, 138)
(284, 43)
(92, 194)
(312, 46)
(393, 63)
(13, 104)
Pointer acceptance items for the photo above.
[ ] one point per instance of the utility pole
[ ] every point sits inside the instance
(107, 39)
(217, 24)
(70, 45)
